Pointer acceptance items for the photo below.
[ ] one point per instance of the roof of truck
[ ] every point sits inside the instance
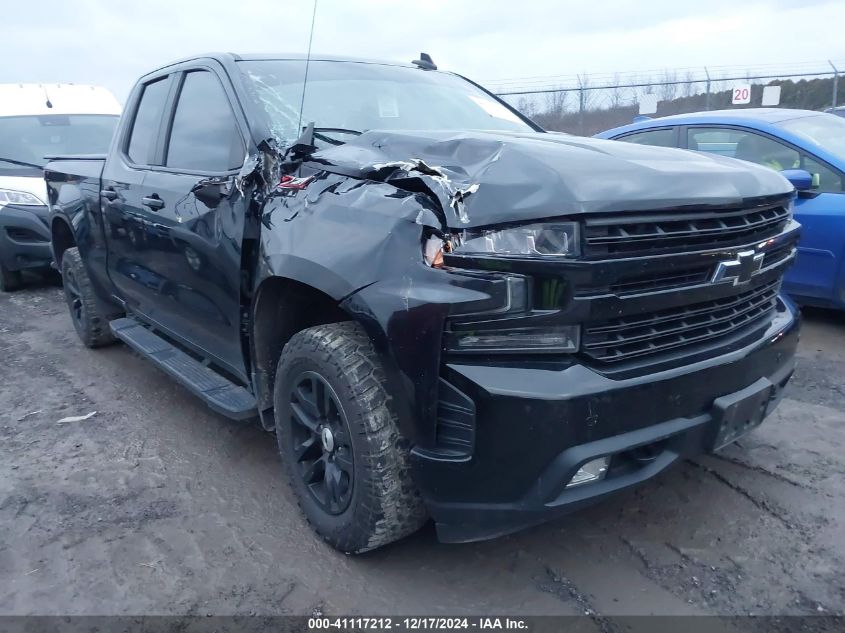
(34, 99)
(315, 57)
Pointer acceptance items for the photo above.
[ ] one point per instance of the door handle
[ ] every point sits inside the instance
(109, 194)
(153, 202)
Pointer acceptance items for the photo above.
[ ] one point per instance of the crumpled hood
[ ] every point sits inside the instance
(485, 178)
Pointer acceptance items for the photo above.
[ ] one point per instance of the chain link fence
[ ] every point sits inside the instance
(587, 104)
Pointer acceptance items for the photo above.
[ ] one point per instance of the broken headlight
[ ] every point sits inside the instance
(547, 239)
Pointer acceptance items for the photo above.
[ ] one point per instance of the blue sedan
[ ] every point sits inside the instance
(808, 147)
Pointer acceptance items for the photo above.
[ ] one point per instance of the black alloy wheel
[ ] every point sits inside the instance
(73, 296)
(321, 443)
(89, 315)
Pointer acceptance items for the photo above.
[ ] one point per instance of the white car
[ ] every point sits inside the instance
(38, 120)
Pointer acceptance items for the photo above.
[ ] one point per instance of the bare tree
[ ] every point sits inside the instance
(615, 93)
(556, 102)
(689, 84)
(721, 83)
(647, 89)
(586, 98)
(669, 87)
(526, 106)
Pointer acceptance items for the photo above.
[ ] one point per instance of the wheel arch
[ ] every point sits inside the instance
(62, 238)
(281, 308)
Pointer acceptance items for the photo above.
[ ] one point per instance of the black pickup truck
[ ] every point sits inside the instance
(442, 310)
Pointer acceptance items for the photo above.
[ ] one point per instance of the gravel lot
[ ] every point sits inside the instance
(156, 505)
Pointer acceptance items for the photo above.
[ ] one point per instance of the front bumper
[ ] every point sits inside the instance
(535, 426)
(24, 237)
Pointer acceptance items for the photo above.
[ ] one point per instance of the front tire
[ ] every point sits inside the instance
(89, 319)
(10, 280)
(339, 440)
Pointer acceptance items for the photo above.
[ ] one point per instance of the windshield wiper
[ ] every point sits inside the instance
(304, 146)
(333, 141)
(21, 163)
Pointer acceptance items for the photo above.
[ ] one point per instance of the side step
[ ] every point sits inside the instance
(220, 394)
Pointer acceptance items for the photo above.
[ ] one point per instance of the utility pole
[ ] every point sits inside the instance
(582, 102)
(707, 98)
(835, 83)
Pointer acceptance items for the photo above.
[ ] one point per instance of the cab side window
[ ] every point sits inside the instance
(145, 127)
(664, 137)
(204, 136)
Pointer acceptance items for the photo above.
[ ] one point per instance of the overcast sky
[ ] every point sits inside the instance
(112, 42)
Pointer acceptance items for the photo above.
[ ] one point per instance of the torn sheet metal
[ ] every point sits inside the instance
(458, 202)
(250, 166)
(267, 168)
(397, 170)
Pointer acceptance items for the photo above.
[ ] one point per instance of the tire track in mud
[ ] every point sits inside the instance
(763, 471)
(728, 587)
(686, 577)
(760, 504)
(559, 585)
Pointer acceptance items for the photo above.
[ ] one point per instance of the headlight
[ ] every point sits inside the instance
(10, 196)
(549, 239)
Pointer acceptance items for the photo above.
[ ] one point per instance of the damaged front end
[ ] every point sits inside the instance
(548, 338)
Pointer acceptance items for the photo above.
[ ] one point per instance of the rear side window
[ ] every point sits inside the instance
(722, 141)
(205, 135)
(750, 146)
(147, 120)
(744, 145)
(664, 137)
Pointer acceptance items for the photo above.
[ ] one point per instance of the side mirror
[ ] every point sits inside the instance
(209, 192)
(800, 179)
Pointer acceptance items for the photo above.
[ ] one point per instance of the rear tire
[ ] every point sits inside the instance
(89, 318)
(345, 458)
(10, 280)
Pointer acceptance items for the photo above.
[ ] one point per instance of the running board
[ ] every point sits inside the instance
(220, 394)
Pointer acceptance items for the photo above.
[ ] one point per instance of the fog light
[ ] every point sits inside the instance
(591, 471)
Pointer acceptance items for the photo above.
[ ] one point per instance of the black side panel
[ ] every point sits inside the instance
(73, 194)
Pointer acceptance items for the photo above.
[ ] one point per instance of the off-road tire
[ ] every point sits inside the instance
(10, 280)
(385, 505)
(87, 312)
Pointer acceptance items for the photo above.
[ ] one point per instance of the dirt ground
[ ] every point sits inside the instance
(156, 505)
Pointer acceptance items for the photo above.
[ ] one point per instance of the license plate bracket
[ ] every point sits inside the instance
(738, 413)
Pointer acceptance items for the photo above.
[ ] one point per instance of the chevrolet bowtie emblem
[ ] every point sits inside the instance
(741, 269)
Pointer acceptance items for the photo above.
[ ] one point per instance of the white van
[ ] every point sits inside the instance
(38, 120)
